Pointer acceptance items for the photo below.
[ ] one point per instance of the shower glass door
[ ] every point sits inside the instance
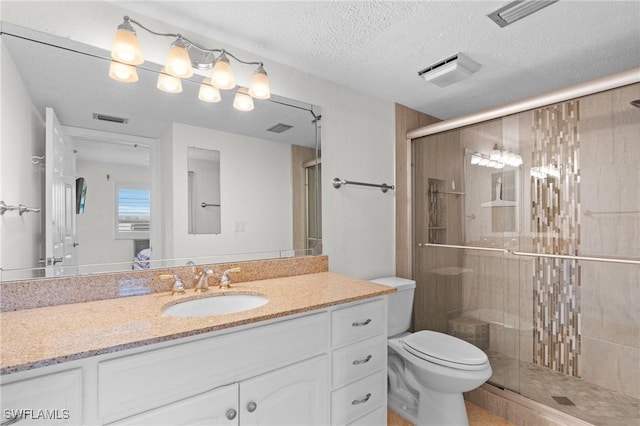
(527, 245)
(465, 214)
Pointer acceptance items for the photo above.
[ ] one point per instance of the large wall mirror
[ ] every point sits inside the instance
(120, 158)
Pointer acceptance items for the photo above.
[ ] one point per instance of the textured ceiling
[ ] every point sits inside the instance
(378, 47)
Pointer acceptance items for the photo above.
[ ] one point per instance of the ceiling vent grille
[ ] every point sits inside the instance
(279, 128)
(110, 118)
(517, 10)
(448, 71)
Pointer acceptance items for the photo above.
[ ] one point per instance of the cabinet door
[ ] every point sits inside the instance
(218, 407)
(50, 399)
(292, 396)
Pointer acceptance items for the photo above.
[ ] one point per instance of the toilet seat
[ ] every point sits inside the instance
(445, 350)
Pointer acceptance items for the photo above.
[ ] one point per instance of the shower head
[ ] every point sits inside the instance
(635, 103)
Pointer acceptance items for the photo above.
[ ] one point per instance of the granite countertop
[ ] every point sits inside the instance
(39, 337)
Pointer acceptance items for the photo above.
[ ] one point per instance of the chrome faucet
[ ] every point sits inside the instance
(202, 280)
(178, 286)
(225, 281)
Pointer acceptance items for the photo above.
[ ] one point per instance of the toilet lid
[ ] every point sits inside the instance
(445, 350)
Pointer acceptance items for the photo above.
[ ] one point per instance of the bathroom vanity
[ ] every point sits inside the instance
(314, 355)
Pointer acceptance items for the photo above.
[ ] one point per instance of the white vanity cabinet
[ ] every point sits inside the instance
(296, 395)
(320, 367)
(49, 399)
(218, 407)
(359, 364)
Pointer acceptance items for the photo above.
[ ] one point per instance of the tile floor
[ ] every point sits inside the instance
(593, 404)
(477, 417)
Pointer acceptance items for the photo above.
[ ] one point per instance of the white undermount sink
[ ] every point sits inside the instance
(215, 305)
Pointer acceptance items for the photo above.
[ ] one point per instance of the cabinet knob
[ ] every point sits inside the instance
(231, 414)
(361, 401)
(251, 407)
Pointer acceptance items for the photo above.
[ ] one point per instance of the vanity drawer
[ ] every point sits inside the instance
(58, 394)
(358, 398)
(375, 418)
(358, 360)
(357, 322)
(139, 382)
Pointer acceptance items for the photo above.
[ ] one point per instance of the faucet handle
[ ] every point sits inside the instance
(224, 280)
(178, 286)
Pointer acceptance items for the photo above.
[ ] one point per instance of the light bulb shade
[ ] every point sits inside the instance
(222, 74)
(124, 73)
(208, 93)
(242, 101)
(126, 47)
(259, 87)
(168, 83)
(178, 63)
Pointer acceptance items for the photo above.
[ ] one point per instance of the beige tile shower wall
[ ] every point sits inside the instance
(405, 119)
(496, 288)
(610, 155)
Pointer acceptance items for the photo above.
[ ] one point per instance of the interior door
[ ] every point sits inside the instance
(60, 190)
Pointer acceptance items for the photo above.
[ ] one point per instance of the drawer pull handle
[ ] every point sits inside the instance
(251, 407)
(361, 323)
(231, 414)
(361, 401)
(363, 360)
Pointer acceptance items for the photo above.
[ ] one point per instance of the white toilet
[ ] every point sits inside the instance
(428, 371)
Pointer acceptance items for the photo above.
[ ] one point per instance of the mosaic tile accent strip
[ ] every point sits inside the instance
(555, 215)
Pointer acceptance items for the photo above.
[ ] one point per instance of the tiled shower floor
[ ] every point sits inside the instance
(593, 404)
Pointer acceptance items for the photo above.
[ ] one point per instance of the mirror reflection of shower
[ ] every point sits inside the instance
(204, 207)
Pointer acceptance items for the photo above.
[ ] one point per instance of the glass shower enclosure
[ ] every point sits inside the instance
(527, 245)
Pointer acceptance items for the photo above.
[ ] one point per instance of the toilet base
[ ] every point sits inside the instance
(400, 408)
(442, 409)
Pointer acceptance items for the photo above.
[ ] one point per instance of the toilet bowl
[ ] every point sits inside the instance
(428, 371)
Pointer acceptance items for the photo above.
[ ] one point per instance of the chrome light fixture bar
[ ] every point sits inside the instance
(184, 55)
(517, 10)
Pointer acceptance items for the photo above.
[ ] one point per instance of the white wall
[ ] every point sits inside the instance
(22, 136)
(253, 189)
(357, 132)
(96, 226)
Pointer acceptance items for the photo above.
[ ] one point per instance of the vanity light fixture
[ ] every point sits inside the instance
(123, 72)
(498, 159)
(168, 83)
(184, 55)
(208, 92)
(242, 101)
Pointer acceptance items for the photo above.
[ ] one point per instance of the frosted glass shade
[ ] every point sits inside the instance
(123, 72)
(208, 93)
(168, 83)
(126, 47)
(259, 87)
(222, 74)
(242, 101)
(178, 63)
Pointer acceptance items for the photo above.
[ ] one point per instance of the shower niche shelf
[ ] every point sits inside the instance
(437, 229)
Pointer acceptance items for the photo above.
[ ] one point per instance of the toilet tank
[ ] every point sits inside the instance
(400, 303)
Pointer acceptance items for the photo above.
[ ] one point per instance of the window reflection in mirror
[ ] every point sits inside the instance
(203, 182)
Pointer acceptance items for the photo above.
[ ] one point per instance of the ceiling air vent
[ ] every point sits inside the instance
(279, 128)
(517, 10)
(450, 70)
(110, 118)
